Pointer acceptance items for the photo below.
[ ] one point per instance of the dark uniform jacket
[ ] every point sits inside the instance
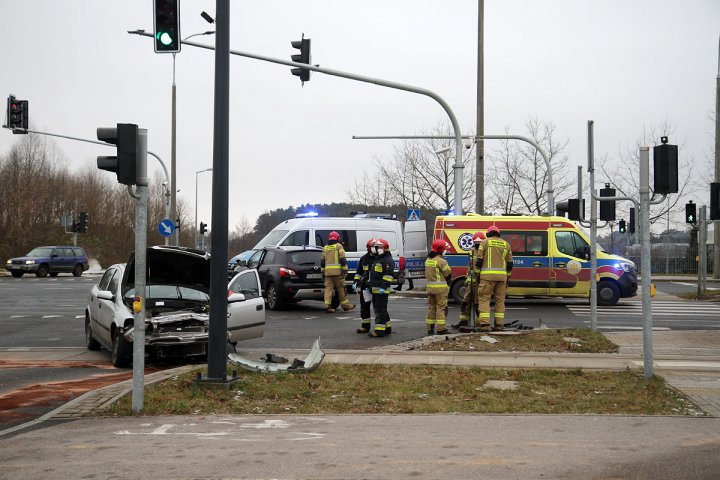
(381, 272)
(363, 271)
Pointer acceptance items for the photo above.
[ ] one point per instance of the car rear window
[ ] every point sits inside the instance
(79, 252)
(304, 258)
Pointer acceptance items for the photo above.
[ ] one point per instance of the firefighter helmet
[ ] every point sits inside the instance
(478, 237)
(370, 243)
(334, 236)
(439, 246)
(493, 229)
(385, 243)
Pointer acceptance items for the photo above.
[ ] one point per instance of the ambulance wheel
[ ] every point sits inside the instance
(457, 291)
(608, 293)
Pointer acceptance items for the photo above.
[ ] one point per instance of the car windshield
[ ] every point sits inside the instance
(40, 252)
(271, 239)
(304, 258)
(171, 292)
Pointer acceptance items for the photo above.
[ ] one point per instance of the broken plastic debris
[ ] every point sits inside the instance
(487, 338)
(311, 362)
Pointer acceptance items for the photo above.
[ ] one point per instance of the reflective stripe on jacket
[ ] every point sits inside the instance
(473, 272)
(333, 262)
(493, 255)
(381, 272)
(437, 271)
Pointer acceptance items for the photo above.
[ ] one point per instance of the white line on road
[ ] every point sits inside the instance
(51, 316)
(18, 316)
(622, 327)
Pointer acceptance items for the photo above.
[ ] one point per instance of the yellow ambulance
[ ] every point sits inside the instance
(551, 257)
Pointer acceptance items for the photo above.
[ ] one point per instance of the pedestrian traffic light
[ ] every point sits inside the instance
(621, 226)
(576, 209)
(304, 57)
(631, 227)
(607, 207)
(166, 16)
(82, 223)
(17, 115)
(715, 202)
(125, 136)
(203, 228)
(665, 167)
(690, 212)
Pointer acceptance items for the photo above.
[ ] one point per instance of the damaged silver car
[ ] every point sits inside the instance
(177, 307)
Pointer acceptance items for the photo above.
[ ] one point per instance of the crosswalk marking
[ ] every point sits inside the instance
(660, 309)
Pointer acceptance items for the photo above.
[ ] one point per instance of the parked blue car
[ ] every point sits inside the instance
(49, 260)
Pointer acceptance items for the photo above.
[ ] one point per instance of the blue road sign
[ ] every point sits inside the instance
(166, 227)
(413, 215)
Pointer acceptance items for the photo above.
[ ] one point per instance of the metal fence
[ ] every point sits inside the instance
(671, 258)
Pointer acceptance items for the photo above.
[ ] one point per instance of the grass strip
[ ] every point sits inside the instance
(398, 389)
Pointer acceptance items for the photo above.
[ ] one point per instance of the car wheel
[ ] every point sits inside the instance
(121, 350)
(273, 297)
(457, 290)
(42, 271)
(230, 348)
(17, 274)
(77, 271)
(608, 293)
(53, 274)
(90, 342)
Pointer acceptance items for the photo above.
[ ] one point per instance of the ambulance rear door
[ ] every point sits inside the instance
(531, 263)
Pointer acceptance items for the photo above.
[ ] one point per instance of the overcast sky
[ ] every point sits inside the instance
(624, 64)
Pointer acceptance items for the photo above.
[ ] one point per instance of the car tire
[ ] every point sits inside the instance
(121, 350)
(42, 271)
(230, 348)
(17, 274)
(457, 290)
(78, 270)
(90, 341)
(53, 274)
(608, 293)
(273, 297)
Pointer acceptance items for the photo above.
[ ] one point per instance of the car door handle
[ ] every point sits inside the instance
(560, 264)
(258, 307)
(537, 264)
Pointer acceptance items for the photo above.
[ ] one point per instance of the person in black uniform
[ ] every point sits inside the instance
(362, 286)
(381, 277)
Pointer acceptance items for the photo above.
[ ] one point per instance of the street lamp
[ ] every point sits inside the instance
(196, 190)
(173, 169)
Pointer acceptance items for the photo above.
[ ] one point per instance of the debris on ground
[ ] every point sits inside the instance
(274, 363)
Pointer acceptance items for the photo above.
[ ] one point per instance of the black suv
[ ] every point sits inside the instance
(287, 274)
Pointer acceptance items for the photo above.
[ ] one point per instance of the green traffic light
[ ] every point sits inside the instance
(165, 38)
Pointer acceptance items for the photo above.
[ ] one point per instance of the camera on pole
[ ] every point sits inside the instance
(166, 16)
(17, 115)
(304, 57)
(690, 212)
(665, 167)
(128, 164)
(607, 207)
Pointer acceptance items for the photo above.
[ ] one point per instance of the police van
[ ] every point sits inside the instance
(551, 257)
(408, 245)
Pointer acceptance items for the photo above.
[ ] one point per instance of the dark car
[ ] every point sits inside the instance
(288, 275)
(238, 260)
(49, 260)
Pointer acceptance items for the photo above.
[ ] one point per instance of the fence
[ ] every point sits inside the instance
(672, 258)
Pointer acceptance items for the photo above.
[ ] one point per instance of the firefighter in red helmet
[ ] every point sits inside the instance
(472, 279)
(333, 265)
(495, 263)
(381, 277)
(437, 273)
(362, 286)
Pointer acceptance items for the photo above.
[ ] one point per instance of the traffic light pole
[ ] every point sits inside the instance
(702, 252)
(458, 167)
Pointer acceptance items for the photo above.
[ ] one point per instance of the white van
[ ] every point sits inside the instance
(354, 235)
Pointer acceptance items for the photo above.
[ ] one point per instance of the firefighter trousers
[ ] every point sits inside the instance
(467, 302)
(437, 303)
(486, 290)
(382, 317)
(364, 310)
(335, 282)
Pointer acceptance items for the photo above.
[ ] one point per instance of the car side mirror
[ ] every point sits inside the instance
(236, 297)
(242, 263)
(106, 295)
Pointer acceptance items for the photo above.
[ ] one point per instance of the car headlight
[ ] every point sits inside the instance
(29, 262)
(8, 262)
(627, 266)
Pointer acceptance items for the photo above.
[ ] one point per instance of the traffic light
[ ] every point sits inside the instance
(576, 209)
(82, 223)
(621, 226)
(715, 202)
(665, 167)
(166, 16)
(690, 212)
(125, 136)
(203, 228)
(631, 227)
(607, 207)
(561, 208)
(304, 57)
(17, 115)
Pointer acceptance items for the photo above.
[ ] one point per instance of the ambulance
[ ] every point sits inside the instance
(551, 257)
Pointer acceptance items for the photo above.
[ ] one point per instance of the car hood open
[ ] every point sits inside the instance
(168, 265)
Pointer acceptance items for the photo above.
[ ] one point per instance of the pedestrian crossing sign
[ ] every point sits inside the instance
(413, 215)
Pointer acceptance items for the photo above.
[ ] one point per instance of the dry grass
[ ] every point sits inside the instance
(709, 295)
(550, 340)
(343, 389)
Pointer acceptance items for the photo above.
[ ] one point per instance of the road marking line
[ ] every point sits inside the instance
(18, 316)
(51, 316)
(621, 327)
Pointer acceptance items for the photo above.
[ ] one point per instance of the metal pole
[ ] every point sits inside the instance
(580, 186)
(217, 357)
(138, 391)
(593, 229)
(645, 260)
(195, 225)
(667, 237)
(173, 159)
(479, 141)
(74, 239)
(458, 167)
(702, 252)
(716, 228)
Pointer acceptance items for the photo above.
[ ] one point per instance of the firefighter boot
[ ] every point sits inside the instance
(348, 306)
(330, 310)
(460, 324)
(364, 328)
(431, 329)
(444, 331)
(498, 327)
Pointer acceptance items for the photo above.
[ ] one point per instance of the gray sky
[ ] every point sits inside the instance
(625, 64)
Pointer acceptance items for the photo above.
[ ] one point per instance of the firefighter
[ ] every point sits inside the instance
(362, 286)
(495, 263)
(437, 273)
(472, 278)
(380, 279)
(334, 267)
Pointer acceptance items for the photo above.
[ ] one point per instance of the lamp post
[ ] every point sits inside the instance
(173, 148)
(196, 190)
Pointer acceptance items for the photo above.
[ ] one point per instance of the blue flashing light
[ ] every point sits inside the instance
(306, 215)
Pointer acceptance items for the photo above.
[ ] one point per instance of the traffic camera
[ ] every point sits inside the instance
(690, 212)
(304, 57)
(17, 115)
(166, 19)
(665, 167)
(125, 136)
(607, 207)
